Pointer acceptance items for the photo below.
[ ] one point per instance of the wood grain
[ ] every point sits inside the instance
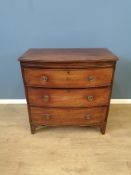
(68, 78)
(68, 55)
(68, 97)
(63, 116)
(68, 84)
(71, 65)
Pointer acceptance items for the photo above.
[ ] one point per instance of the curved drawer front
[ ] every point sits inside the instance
(69, 78)
(78, 116)
(68, 97)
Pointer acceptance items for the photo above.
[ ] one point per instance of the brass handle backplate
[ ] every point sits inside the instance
(91, 78)
(46, 97)
(90, 98)
(47, 116)
(88, 116)
(44, 78)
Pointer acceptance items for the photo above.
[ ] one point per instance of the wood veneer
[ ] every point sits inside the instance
(68, 86)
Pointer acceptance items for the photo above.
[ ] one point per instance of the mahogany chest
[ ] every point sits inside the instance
(68, 86)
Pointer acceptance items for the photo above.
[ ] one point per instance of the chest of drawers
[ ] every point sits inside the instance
(68, 86)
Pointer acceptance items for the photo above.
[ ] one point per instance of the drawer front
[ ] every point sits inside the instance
(60, 78)
(68, 97)
(58, 116)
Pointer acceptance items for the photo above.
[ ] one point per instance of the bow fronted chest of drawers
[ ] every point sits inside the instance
(68, 86)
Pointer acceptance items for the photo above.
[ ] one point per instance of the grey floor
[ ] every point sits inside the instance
(64, 150)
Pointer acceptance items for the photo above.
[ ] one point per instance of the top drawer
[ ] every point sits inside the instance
(68, 78)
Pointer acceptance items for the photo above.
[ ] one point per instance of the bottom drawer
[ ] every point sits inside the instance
(66, 116)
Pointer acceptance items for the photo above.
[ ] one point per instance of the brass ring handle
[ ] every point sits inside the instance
(46, 97)
(91, 78)
(90, 98)
(88, 116)
(44, 78)
(47, 116)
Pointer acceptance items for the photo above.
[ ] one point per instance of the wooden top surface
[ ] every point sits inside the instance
(68, 55)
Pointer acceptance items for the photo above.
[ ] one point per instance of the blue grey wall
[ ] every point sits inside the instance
(63, 23)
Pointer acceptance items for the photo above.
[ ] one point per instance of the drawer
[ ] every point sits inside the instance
(68, 97)
(69, 78)
(77, 116)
